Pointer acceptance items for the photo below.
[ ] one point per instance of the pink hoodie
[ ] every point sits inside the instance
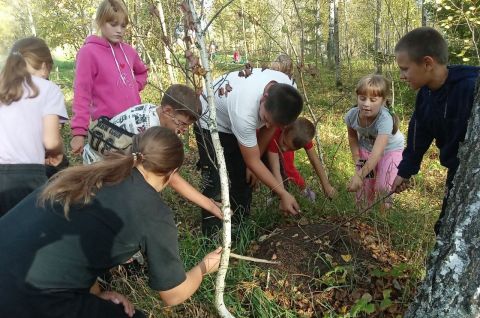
(106, 83)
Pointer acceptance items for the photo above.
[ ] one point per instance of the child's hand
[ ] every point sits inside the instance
(288, 204)
(77, 144)
(251, 178)
(330, 192)
(211, 261)
(216, 209)
(53, 160)
(400, 184)
(355, 184)
(117, 298)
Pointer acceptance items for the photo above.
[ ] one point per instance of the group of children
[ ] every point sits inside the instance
(88, 219)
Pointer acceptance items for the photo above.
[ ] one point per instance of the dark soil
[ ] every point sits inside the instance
(334, 267)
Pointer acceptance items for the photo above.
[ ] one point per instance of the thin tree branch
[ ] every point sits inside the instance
(216, 15)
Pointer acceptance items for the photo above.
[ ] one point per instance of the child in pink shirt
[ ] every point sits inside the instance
(109, 74)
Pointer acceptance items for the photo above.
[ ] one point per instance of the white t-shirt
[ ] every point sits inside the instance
(137, 118)
(382, 125)
(237, 112)
(21, 124)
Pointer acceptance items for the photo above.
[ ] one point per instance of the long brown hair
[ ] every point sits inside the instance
(378, 85)
(14, 75)
(158, 149)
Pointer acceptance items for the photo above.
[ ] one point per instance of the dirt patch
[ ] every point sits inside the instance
(329, 268)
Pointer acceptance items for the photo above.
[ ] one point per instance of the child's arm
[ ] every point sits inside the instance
(329, 191)
(140, 71)
(52, 140)
(353, 142)
(377, 152)
(274, 162)
(251, 156)
(185, 189)
(82, 96)
(264, 138)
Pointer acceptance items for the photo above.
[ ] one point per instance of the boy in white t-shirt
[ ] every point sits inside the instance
(245, 102)
(179, 108)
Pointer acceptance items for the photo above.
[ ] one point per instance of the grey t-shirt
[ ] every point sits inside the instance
(382, 125)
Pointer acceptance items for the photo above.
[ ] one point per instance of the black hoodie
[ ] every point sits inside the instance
(441, 115)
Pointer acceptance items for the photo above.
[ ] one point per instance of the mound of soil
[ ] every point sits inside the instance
(326, 267)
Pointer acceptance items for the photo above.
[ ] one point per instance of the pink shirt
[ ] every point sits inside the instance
(108, 81)
(21, 124)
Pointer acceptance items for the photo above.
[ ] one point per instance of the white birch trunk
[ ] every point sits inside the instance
(451, 288)
(168, 58)
(331, 29)
(33, 29)
(212, 124)
(336, 45)
(378, 23)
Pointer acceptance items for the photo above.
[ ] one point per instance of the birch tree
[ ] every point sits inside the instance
(196, 23)
(331, 31)
(168, 59)
(451, 286)
(336, 45)
(378, 51)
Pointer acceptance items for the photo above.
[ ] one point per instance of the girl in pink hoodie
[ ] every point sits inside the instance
(109, 74)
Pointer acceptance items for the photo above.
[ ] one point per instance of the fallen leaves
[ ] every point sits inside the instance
(350, 272)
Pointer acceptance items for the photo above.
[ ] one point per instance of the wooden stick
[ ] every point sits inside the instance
(253, 259)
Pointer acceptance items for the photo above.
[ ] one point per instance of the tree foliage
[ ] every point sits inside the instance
(460, 21)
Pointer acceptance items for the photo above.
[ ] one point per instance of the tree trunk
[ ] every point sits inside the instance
(451, 286)
(378, 51)
(347, 40)
(212, 125)
(424, 14)
(245, 43)
(331, 32)
(33, 29)
(336, 46)
(168, 58)
(318, 34)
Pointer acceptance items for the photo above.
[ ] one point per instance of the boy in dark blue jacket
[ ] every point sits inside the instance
(443, 105)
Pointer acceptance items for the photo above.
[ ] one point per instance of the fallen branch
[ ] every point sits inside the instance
(253, 259)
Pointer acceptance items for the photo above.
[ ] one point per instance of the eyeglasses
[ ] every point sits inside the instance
(178, 122)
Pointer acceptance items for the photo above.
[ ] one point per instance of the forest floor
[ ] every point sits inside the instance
(334, 260)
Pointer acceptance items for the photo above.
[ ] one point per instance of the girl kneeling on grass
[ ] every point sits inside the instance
(375, 141)
(88, 219)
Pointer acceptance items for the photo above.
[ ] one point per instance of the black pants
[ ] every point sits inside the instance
(17, 181)
(61, 304)
(240, 191)
(448, 187)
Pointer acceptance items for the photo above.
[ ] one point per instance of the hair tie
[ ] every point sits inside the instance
(137, 156)
(16, 53)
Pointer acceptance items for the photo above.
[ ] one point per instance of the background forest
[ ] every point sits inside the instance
(336, 262)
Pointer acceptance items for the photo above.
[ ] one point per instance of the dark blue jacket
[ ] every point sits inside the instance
(441, 115)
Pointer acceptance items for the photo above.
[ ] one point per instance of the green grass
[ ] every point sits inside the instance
(407, 227)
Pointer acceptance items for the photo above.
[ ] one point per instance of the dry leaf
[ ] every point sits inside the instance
(347, 258)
